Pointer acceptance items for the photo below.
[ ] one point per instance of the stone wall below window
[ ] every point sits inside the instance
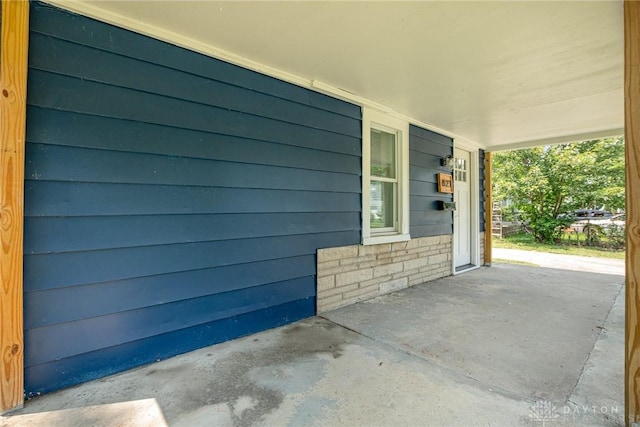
(355, 273)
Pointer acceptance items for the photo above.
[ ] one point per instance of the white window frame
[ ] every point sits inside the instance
(378, 120)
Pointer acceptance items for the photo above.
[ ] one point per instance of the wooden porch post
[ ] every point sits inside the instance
(632, 137)
(13, 98)
(488, 210)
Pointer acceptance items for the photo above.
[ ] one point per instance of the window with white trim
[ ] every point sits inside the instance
(385, 178)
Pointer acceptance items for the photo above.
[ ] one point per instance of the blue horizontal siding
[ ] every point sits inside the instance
(431, 230)
(430, 160)
(51, 163)
(172, 200)
(426, 148)
(66, 372)
(74, 60)
(46, 271)
(59, 305)
(425, 137)
(74, 94)
(50, 198)
(426, 188)
(78, 130)
(426, 204)
(91, 334)
(104, 232)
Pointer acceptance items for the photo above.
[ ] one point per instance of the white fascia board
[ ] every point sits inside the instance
(88, 9)
(610, 133)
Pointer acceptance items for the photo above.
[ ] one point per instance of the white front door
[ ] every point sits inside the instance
(462, 214)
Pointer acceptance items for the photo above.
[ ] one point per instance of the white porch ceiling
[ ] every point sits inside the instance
(501, 74)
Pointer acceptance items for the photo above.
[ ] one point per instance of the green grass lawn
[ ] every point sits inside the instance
(526, 242)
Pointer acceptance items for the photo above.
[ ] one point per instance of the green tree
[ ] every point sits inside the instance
(544, 183)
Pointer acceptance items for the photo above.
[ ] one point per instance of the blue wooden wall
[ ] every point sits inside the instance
(426, 148)
(481, 190)
(172, 200)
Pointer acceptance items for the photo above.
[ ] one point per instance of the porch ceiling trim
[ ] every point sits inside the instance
(560, 140)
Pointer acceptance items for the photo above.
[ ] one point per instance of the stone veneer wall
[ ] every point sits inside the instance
(481, 241)
(355, 273)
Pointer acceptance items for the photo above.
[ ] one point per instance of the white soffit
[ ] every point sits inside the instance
(502, 74)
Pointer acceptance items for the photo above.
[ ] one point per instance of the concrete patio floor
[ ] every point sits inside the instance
(501, 346)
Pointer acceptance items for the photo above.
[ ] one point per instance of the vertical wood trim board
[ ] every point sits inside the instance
(632, 136)
(488, 211)
(13, 88)
(481, 190)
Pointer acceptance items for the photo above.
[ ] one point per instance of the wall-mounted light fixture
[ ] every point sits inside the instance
(447, 161)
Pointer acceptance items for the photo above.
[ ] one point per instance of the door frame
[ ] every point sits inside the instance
(474, 206)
